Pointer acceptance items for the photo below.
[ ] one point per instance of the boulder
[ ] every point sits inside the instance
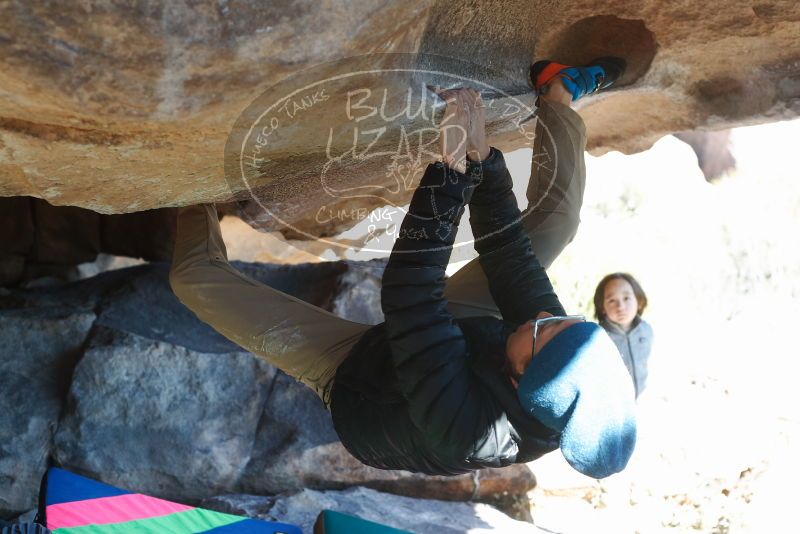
(121, 108)
(713, 150)
(37, 354)
(358, 295)
(156, 418)
(417, 515)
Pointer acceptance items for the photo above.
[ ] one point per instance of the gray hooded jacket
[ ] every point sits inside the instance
(634, 347)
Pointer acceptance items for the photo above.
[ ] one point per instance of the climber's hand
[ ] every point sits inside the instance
(477, 147)
(453, 130)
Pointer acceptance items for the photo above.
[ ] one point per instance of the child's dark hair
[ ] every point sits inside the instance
(599, 293)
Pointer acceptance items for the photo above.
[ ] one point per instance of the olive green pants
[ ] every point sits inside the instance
(309, 343)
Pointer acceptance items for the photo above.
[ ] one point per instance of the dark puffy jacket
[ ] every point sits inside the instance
(424, 391)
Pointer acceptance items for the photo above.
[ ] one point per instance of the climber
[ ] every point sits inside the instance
(444, 386)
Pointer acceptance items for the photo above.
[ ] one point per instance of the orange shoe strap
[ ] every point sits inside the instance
(548, 73)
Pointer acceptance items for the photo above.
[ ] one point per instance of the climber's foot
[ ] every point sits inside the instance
(598, 75)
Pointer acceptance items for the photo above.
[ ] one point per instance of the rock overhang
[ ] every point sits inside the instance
(121, 109)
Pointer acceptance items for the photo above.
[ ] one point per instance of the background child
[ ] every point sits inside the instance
(619, 302)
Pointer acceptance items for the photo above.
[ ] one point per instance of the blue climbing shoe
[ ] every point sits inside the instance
(600, 74)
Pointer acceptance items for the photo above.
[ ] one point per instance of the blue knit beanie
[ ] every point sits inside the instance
(578, 385)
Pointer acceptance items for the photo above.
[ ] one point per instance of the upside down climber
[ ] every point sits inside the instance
(484, 369)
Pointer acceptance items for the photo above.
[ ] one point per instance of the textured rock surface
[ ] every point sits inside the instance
(37, 353)
(124, 107)
(358, 294)
(414, 515)
(153, 417)
(713, 150)
(160, 403)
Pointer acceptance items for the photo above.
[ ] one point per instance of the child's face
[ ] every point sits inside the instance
(619, 302)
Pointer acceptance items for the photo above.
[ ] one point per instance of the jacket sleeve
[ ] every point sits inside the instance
(446, 402)
(518, 283)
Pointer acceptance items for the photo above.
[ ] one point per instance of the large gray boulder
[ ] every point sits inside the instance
(422, 516)
(37, 352)
(157, 418)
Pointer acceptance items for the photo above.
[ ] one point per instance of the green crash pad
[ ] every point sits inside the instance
(330, 522)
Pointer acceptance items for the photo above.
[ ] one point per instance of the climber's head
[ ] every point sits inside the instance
(574, 382)
(520, 344)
